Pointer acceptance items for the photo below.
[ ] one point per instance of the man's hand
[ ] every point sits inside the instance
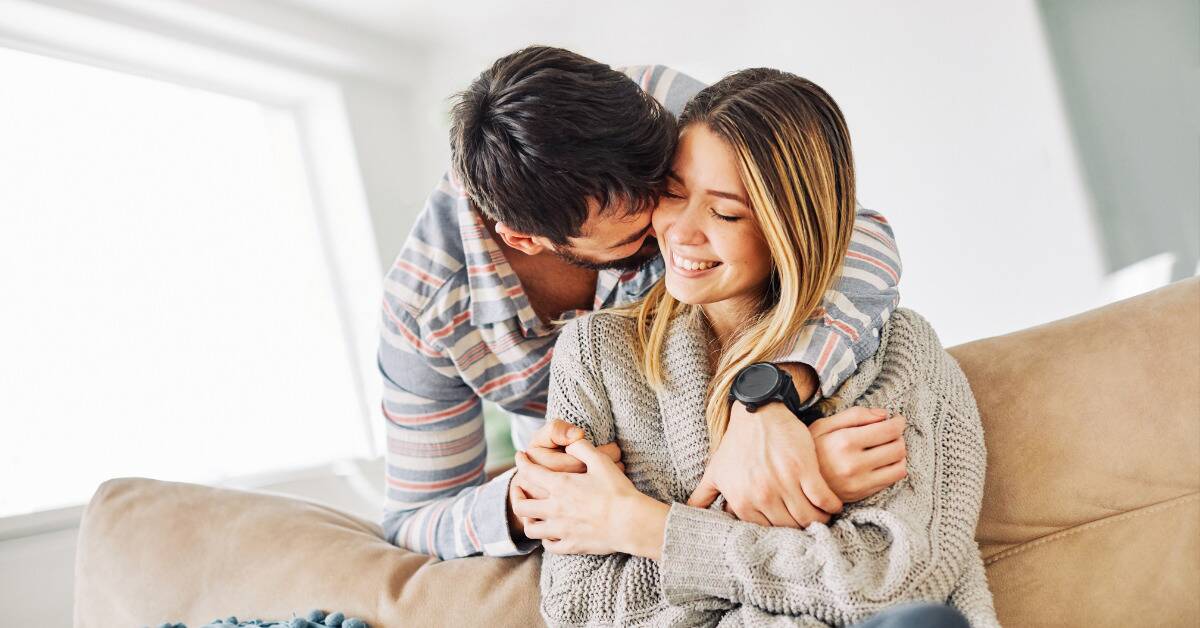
(861, 451)
(766, 467)
(547, 449)
(596, 512)
(549, 444)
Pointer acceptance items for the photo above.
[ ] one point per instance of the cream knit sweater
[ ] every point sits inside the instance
(912, 541)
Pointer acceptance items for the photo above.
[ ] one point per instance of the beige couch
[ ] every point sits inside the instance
(1091, 514)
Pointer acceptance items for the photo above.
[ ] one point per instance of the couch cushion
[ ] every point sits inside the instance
(152, 551)
(1091, 510)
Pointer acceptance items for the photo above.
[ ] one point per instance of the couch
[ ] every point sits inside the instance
(1091, 513)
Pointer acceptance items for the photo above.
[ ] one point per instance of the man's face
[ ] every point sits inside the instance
(611, 240)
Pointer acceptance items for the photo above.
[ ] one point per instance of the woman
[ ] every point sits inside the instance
(753, 227)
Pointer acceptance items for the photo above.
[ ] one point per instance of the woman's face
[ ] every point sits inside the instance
(709, 238)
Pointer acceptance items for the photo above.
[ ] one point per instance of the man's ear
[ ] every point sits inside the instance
(523, 242)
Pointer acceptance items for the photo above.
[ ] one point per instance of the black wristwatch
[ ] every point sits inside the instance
(762, 383)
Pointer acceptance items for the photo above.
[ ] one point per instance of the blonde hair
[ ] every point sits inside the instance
(794, 159)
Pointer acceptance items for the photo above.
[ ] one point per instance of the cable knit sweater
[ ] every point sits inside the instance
(914, 541)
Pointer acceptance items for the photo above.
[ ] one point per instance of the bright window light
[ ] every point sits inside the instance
(168, 308)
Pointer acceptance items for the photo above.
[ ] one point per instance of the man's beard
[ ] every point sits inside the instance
(644, 255)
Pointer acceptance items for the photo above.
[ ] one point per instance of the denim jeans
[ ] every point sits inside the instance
(917, 615)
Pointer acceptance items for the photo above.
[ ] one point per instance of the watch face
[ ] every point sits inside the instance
(757, 381)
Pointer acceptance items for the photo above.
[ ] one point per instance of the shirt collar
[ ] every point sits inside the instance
(496, 292)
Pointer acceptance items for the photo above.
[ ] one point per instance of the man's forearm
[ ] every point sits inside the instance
(803, 376)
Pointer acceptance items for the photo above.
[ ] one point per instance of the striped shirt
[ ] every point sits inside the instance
(457, 328)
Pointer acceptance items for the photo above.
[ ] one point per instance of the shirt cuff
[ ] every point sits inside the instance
(692, 567)
(829, 354)
(489, 518)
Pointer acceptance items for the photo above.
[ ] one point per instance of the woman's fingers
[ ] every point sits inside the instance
(590, 455)
(555, 460)
(612, 450)
(883, 455)
(555, 433)
(884, 477)
(534, 475)
(561, 462)
(850, 417)
(878, 433)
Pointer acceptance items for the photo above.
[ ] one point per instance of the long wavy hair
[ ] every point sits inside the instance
(794, 158)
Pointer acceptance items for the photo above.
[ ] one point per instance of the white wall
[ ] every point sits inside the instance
(959, 133)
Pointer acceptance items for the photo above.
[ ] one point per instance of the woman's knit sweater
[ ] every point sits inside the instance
(914, 541)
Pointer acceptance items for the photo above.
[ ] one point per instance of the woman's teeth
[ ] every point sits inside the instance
(690, 264)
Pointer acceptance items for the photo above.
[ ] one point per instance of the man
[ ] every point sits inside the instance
(558, 161)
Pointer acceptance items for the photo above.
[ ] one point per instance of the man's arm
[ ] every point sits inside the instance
(844, 331)
(438, 499)
(671, 88)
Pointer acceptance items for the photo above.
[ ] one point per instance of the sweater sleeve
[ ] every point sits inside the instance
(910, 542)
(590, 590)
(973, 597)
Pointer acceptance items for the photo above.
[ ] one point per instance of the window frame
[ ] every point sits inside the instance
(100, 37)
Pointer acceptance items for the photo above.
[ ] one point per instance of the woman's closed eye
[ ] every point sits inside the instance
(723, 216)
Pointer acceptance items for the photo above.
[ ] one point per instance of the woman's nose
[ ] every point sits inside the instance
(683, 230)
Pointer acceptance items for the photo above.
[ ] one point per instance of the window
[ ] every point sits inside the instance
(168, 304)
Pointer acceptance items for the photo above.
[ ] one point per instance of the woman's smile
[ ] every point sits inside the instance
(690, 267)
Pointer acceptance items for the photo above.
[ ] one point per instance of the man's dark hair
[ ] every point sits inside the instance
(544, 130)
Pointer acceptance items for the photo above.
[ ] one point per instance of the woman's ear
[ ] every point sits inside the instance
(523, 242)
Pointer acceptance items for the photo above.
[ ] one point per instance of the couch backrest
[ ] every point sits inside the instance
(1091, 512)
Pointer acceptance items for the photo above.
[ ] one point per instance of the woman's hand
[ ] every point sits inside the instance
(861, 451)
(595, 512)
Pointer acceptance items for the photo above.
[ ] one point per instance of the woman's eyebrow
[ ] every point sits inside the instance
(729, 195)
